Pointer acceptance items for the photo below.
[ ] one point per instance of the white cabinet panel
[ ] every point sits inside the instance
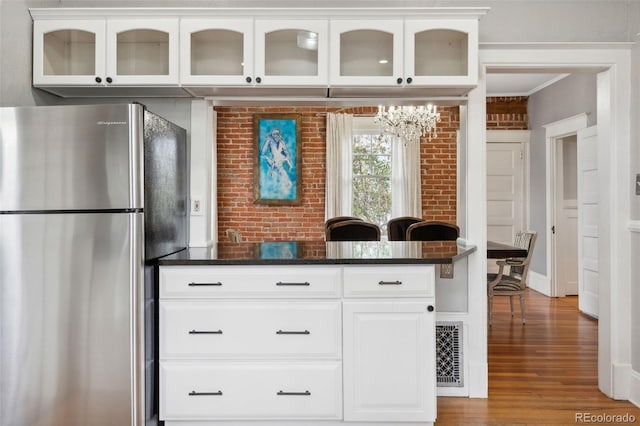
(236, 390)
(389, 361)
(250, 329)
(250, 281)
(389, 281)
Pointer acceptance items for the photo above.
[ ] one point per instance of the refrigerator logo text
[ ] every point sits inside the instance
(110, 123)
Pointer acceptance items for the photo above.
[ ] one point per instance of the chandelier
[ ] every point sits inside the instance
(408, 122)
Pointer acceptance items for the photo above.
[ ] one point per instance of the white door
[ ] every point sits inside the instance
(389, 361)
(588, 221)
(566, 217)
(504, 191)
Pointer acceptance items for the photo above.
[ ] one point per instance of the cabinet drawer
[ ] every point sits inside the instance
(394, 281)
(250, 329)
(232, 390)
(249, 281)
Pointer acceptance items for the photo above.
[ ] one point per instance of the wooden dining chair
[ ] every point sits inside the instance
(353, 230)
(515, 282)
(433, 230)
(397, 227)
(336, 219)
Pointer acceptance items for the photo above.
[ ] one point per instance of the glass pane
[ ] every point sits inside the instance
(361, 144)
(441, 52)
(69, 52)
(372, 199)
(362, 165)
(217, 52)
(142, 52)
(291, 52)
(366, 53)
(381, 165)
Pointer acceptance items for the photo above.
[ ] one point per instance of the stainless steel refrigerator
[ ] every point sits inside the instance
(89, 196)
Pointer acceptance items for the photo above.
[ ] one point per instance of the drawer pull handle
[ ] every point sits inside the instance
(305, 393)
(194, 393)
(293, 332)
(205, 284)
(281, 283)
(390, 282)
(205, 332)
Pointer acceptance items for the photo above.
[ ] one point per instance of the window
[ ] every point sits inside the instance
(371, 173)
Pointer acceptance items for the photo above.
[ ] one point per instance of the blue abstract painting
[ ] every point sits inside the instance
(277, 165)
(279, 250)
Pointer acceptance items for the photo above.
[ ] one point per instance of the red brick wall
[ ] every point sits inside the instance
(236, 209)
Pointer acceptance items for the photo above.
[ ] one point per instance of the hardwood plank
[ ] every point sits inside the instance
(542, 373)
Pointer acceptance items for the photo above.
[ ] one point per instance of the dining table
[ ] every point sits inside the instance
(497, 250)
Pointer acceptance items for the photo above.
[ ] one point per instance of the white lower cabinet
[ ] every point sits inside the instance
(389, 361)
(354, 344)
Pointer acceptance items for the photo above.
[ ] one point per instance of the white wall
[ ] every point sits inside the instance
(568, 97)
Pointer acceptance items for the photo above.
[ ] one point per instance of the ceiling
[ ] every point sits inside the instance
(521, 84)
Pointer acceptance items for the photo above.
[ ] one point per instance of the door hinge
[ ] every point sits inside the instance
(522, 155)
(553, 229)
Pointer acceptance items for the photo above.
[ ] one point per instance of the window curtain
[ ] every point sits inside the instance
(406, 199)
(338, 191)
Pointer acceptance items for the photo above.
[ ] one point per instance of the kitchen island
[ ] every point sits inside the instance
(306, 332)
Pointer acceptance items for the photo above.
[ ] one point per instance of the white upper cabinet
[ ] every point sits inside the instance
(366, 53)
(105, 52)
(216, 51)
(291, 52)
(412, 52)
(247, 52)
(285, 51)
(69, 52)
(142, 52)
(441, 52)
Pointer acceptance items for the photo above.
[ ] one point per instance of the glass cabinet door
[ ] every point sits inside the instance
(291, 52)
(68, 52)
(216, 52)
(142, 52)
(441, 52)
(367, 52)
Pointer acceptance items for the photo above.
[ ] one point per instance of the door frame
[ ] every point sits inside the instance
(612, 61)
(553, 132)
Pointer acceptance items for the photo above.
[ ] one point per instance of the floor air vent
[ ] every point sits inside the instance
(449, 363)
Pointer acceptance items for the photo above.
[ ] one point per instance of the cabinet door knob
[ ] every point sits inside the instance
(109, 80)
(248, 79)
(399, 80)
(258, 80)
(430, 308)
(98, 80)
(409, 80)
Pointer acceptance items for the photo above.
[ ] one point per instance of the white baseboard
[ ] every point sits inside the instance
(634, 388)
(540, 283)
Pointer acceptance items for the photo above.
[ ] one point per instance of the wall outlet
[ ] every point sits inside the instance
(197, 206)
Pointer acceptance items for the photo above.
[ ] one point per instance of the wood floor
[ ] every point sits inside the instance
(542, 373)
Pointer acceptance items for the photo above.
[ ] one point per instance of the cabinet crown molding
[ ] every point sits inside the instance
(261, 12)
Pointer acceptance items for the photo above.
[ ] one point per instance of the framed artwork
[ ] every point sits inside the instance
(277, 161)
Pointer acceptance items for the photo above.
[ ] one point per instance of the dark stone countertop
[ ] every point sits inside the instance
(322, 253)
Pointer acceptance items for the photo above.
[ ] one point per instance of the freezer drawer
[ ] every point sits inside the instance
(68, 317)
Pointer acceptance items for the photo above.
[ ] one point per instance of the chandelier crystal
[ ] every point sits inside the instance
(408, 122)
